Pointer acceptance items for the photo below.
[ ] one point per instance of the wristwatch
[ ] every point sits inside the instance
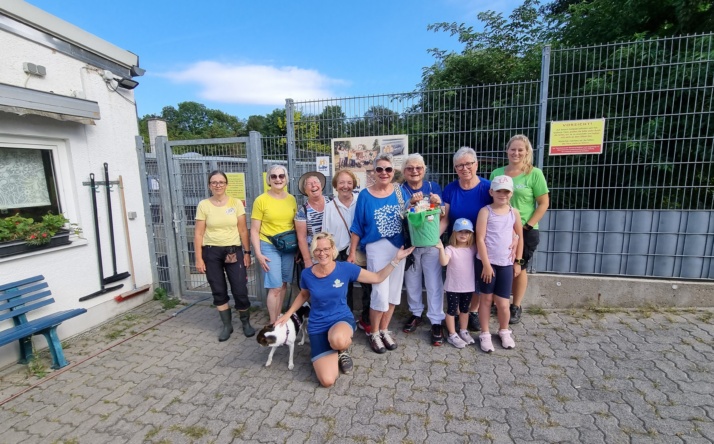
(520, 262)
(246, 252)
(527, 227)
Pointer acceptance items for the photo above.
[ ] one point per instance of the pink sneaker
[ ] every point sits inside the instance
(466, 337)
(486, 344)
(506, 339)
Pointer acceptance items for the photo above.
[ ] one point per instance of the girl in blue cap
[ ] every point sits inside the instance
(458, 257)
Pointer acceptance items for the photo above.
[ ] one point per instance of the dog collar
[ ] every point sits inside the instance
(287, 333)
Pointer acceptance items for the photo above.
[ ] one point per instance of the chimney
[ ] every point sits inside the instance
(157, 127)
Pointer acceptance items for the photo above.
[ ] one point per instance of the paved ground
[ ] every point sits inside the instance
(576, 376)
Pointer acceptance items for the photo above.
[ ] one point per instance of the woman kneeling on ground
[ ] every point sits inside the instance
(331, 323)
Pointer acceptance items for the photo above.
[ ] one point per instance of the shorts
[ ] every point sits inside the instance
(502, 282)
(389, 291)
(531, 239)
(457, 302)
(320, 344)
(281, 265)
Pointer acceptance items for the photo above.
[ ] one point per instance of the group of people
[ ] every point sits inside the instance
(492, 227)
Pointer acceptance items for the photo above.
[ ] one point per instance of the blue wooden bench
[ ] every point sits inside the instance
(21, 297)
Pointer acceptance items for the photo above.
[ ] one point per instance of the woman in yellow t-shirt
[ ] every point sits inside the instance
(221, 232)
(274, 213)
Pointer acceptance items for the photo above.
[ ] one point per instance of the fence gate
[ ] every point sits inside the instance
(177, 180)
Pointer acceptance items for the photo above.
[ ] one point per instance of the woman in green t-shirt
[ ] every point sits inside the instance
(530, 198)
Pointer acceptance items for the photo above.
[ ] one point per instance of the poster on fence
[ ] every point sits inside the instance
(358, 154)
(570, 137)
(236, 186)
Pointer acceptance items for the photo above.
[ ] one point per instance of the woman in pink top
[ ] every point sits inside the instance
(495, 268)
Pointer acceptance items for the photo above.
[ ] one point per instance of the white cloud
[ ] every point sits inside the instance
(255, 84)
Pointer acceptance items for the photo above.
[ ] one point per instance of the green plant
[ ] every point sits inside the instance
(167, 302)
(17, 227)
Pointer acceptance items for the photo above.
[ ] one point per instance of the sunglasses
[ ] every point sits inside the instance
(277, 176)
(418, 169)
(380, 170)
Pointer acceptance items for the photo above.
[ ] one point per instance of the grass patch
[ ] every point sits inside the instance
(152, 433)
(167, 302)
(36, 367)
(238, 431)
(536, 311)
(194, 432)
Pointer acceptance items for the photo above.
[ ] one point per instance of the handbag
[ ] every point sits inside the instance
(285, 242)
(360, 257)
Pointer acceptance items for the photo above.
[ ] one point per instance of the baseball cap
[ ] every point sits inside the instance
(502, 183)
(463, 224)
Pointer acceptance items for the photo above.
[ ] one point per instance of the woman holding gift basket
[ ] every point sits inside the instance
(273, 237)
(422, 194)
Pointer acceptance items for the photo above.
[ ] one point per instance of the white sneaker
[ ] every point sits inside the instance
(466, 337)
(485, 340)
(506, 339)
(456, 341)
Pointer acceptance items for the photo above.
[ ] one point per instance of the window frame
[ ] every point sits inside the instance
(58, 157)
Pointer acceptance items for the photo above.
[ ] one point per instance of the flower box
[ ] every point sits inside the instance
(13, 248)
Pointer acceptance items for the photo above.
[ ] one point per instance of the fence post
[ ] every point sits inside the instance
(164, 159)
(148, 220)
(254, 189)
(543, 110)
(292, 166)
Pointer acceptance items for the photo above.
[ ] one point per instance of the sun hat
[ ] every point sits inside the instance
(304, 177)
(462, 224)
(502, 183)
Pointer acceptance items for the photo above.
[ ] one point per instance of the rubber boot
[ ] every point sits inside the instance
(248, 331)
(227, 319)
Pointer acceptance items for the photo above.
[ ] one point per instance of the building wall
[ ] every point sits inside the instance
(72, 272)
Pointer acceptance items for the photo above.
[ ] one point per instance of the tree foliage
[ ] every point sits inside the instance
(191, 120)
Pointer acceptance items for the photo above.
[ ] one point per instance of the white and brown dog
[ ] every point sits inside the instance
(270, 336)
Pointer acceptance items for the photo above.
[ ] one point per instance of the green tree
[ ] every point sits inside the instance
(191, 120)
(588, 22)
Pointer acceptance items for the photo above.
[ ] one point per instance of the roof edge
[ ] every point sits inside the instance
(46, 22)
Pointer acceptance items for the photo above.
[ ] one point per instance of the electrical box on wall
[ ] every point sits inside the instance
(35, 70)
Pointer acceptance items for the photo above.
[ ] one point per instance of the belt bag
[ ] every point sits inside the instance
(285, 242)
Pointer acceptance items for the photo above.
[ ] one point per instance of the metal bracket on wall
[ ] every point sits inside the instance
(101, 182)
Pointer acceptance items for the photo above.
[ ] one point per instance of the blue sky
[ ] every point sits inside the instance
(247, 57)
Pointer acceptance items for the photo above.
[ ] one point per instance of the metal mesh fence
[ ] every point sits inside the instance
(437, 122)
(657, 98)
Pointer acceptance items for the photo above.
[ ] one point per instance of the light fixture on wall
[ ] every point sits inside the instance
(127, 83)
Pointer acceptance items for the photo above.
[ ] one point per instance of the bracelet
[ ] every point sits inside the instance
(394, 264)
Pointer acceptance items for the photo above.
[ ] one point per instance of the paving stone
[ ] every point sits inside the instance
(575, 377)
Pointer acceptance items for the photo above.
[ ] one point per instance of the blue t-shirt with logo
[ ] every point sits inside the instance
(328, 296)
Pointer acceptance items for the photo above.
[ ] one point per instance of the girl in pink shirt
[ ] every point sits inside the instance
(459, 285)
(495, 226)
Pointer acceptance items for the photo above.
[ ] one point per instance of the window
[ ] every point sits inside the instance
(28, 182)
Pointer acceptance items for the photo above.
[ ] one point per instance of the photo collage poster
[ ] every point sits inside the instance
(358, 153)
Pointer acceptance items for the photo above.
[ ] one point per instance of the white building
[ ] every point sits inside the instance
(66, 108)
